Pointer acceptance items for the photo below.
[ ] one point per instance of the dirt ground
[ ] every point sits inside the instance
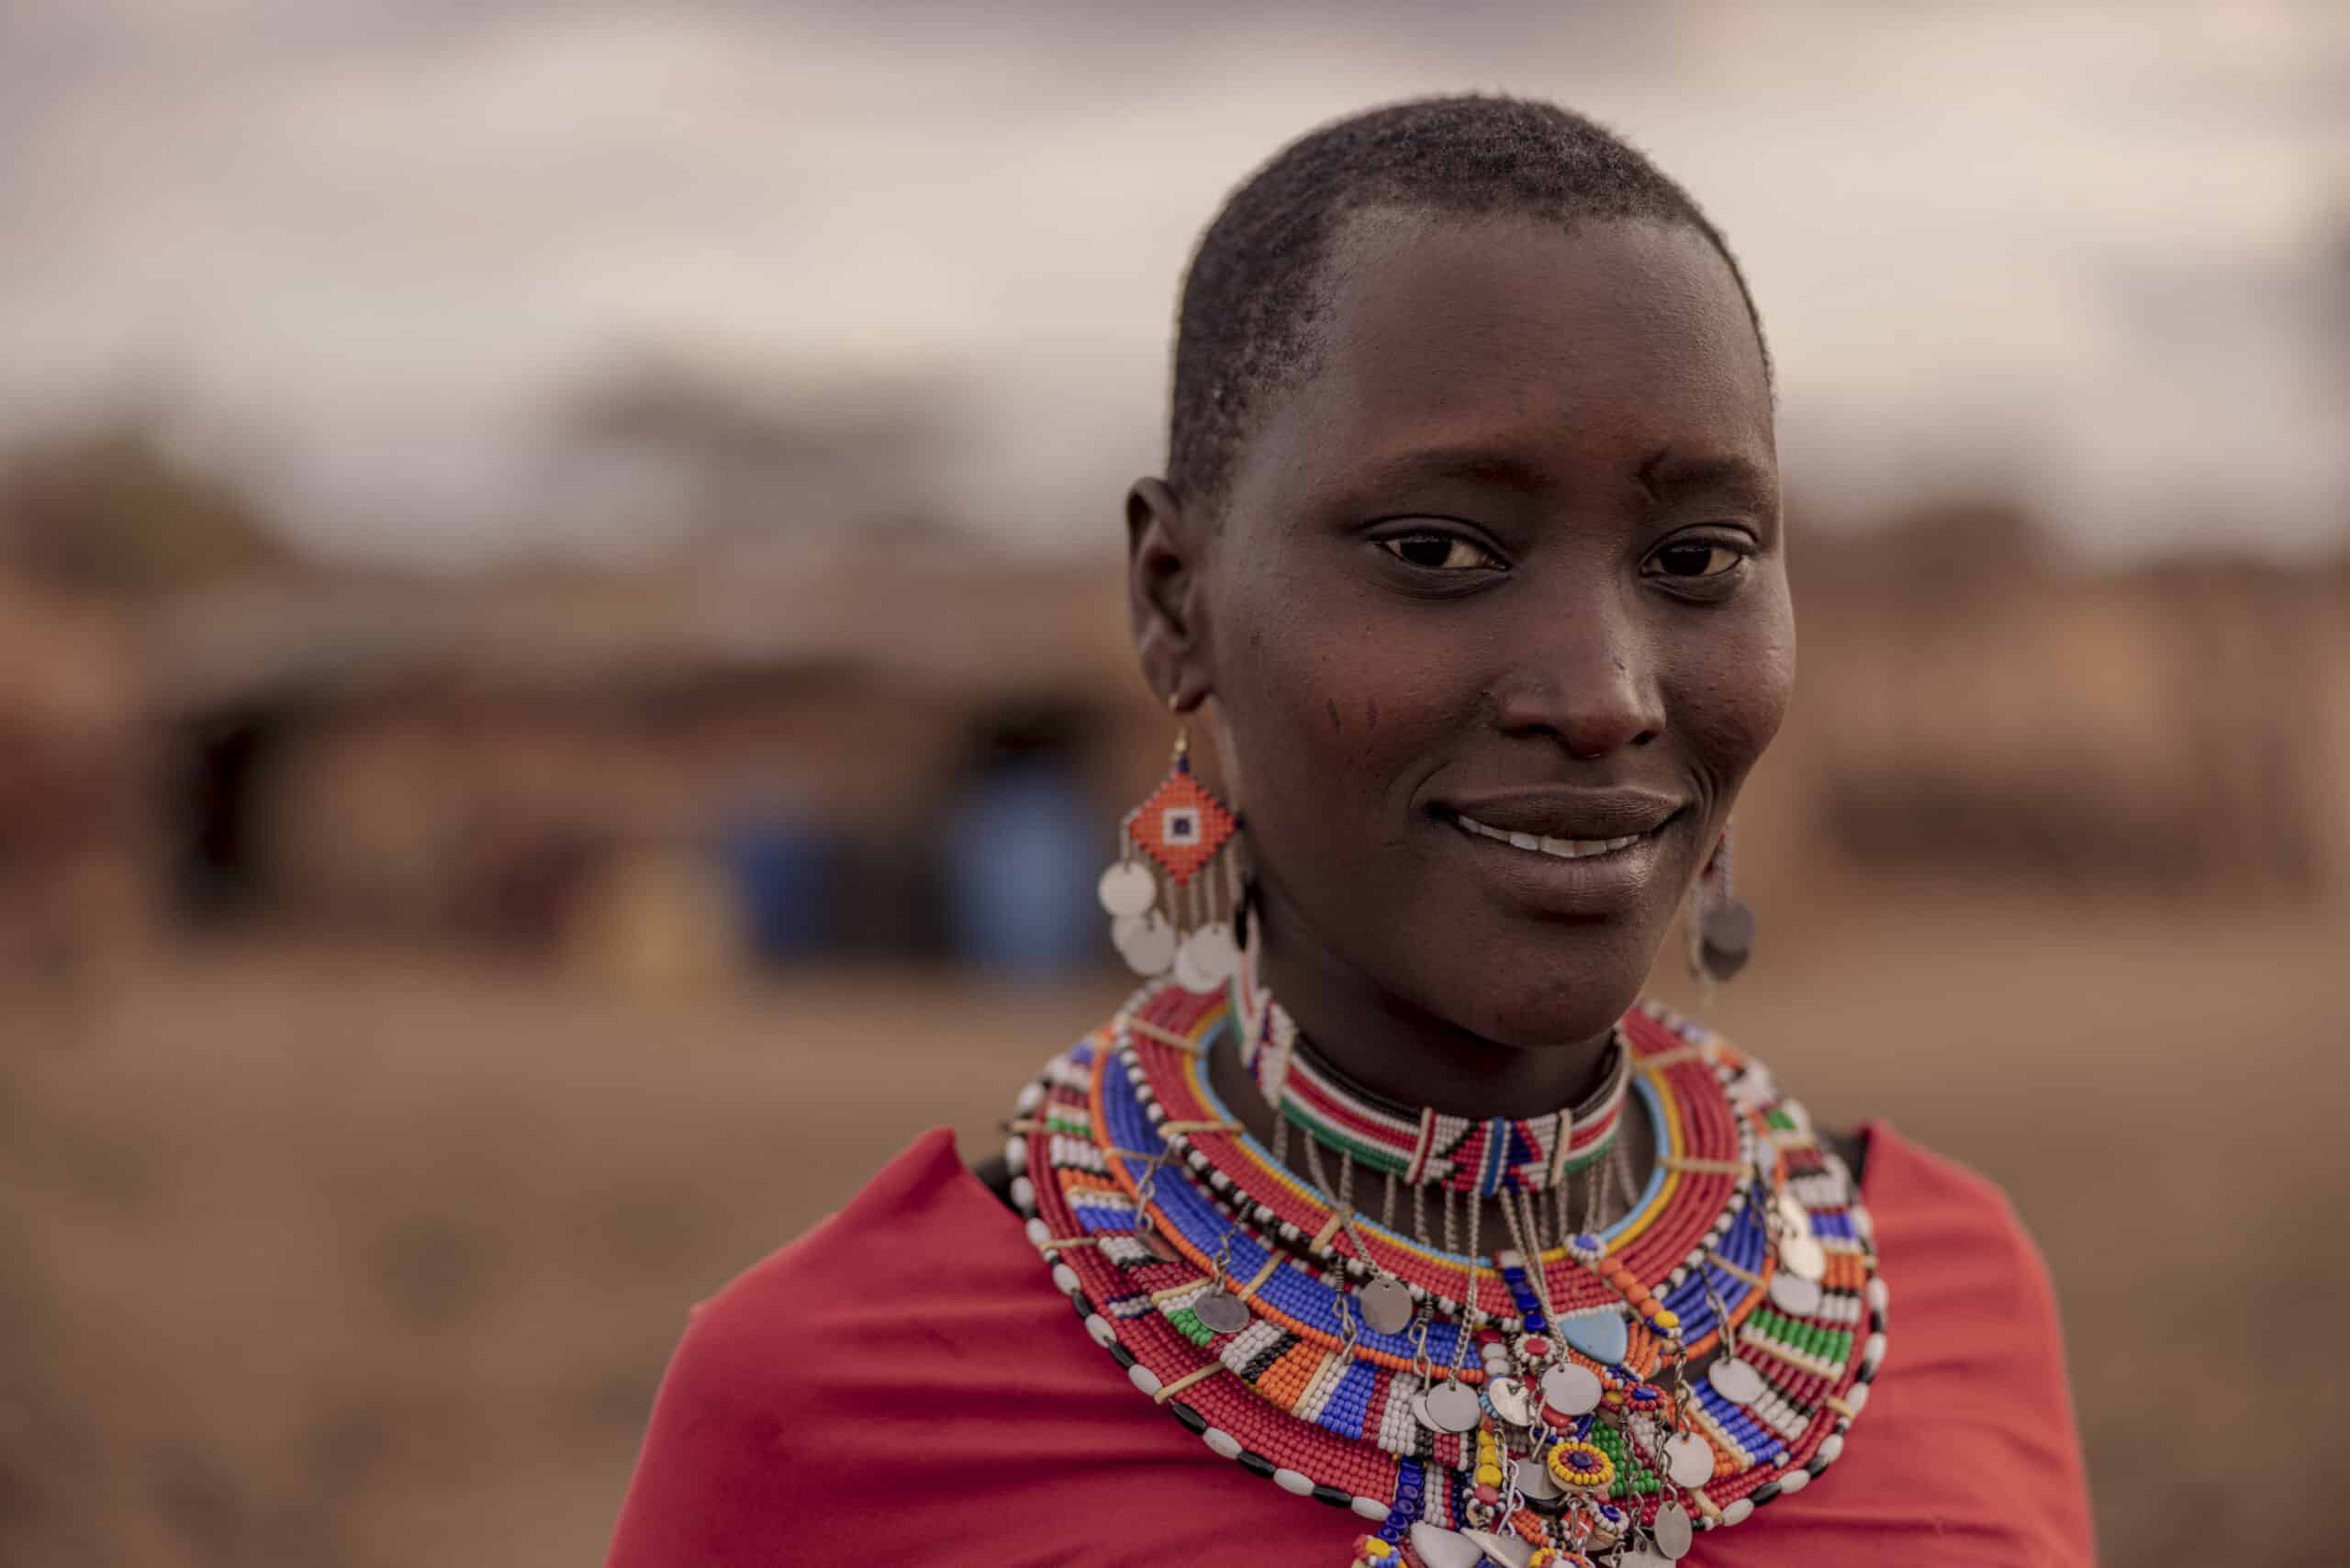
(343, 1258)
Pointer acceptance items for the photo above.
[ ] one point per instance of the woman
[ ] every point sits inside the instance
(1407, 1232)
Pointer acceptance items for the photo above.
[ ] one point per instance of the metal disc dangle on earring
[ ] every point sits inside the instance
(1207, 958)
(1726, 938)
(1387, 1305)
(1127, 889)
(1453, 1407)
(1673, 1533)
(1221, 1312)
(1145, 941)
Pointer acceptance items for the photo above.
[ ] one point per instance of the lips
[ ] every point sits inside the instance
(1577, 854)
(1567, 817)
(1563, 848)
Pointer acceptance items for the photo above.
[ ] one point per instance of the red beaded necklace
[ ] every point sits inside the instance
(1249, 1303)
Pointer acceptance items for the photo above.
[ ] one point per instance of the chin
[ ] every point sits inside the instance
(1567, 989)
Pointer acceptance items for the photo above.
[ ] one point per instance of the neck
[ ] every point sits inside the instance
(1395, 1048)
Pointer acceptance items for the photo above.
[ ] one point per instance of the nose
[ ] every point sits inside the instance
(1588, 682)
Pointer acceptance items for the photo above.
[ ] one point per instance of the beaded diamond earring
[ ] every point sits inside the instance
(1720, 929)
(1180, 917)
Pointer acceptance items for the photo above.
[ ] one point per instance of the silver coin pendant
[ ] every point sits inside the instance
(1221, 1312)
(1507, 1396)
(1452, 1407)
(1804, 1257)
(1735, 1380)
(1688, 1459)
(1387, 1305)
(1535, 1480)
(1793, 1295)
(1572, 1390)
(1673, 1531)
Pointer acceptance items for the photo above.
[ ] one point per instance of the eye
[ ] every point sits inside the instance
(1437, 552)
(1690, 559)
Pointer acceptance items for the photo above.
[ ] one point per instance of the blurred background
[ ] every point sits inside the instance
(564, 683)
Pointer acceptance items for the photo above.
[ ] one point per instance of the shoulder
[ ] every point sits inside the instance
(1948, 1236)
(1970, 1416)
(760, 1408)
(921, 1225)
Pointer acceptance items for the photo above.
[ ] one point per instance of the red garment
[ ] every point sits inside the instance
(905, 1384)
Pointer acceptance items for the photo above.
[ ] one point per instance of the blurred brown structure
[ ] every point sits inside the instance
(498, 759)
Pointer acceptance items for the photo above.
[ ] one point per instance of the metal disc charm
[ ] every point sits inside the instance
(1507, 1396)
(1688, 1459)
(1506, 1550)
(1452, 1407)
(1386, 1305)
(1572, 1390)
(1794, 1218)
(1536, 1484)
(1673, 1531)
(1793, 1295)
(1726, 939)
(1207, 958)
(1127, 889)
(1734, 1381)
(1156, 1245)
(1441, 1548)
(1803, 1257)
(1221, 1312)
(1145, 941)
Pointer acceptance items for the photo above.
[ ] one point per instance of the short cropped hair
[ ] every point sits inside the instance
(1252, 297)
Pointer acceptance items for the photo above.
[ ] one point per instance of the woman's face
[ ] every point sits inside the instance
(1497, 615)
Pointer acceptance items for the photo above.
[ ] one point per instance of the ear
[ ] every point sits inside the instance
(1165, 579)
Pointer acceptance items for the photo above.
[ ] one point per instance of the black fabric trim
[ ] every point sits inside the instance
(1852, 1149)
(996, 1177)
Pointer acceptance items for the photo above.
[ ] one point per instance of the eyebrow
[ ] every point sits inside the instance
(1663, 473)
(1480, 465)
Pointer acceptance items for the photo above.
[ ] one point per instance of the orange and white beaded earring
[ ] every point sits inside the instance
(1174, 889)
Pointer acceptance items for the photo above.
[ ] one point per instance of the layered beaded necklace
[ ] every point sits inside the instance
(1527, 1406)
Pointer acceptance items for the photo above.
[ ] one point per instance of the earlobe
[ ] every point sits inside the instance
(1162, 593)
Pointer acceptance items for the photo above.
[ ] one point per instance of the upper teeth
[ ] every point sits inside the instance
(1564, 848)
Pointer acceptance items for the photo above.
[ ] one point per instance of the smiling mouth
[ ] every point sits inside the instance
(1557, 849)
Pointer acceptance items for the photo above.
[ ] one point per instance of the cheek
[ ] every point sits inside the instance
(1734, 692)
(1327, 711)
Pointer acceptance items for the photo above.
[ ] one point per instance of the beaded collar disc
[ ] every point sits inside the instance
(1241, 1298)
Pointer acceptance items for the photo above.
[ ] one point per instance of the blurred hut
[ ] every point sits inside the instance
(553, 760)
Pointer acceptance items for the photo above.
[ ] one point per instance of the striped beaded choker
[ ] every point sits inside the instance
(1416, 1145)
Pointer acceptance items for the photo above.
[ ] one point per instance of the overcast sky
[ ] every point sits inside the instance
(2102, 255)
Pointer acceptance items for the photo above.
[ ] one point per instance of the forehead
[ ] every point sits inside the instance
(1569, 351)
